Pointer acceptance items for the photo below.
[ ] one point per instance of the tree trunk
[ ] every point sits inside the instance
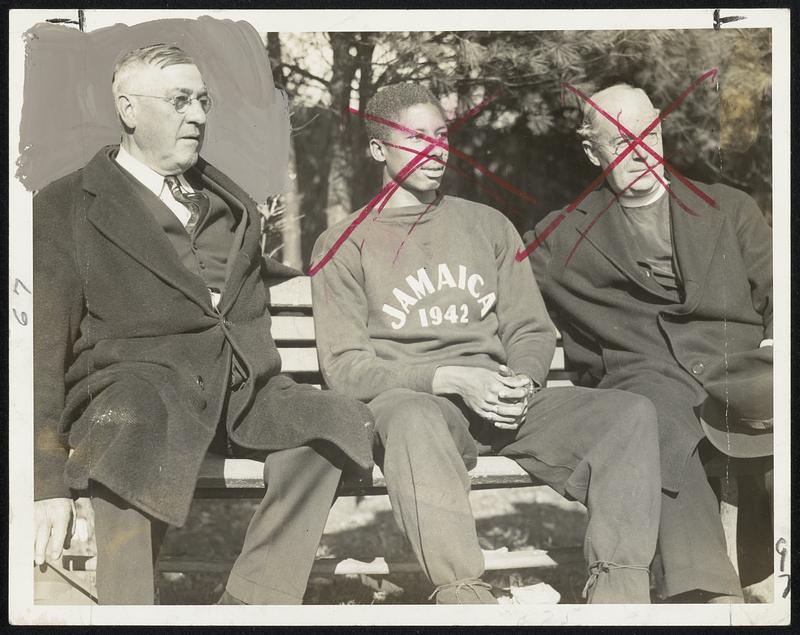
(275, 55)
(291, 231)
(340, 173)
(364, 187)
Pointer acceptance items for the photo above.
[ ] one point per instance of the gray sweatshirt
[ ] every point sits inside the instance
(418, 287)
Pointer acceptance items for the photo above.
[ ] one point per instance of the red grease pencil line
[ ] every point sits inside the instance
(500, 200)
(414, 224)
(524, 253)
(638, 140)
(455, 152)
(390, 188)
(585, 233)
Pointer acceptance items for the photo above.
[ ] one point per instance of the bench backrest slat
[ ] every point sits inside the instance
(304, 359)
(290, 293)
(294, 334)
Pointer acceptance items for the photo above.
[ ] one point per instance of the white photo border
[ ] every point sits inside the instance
(20, 580)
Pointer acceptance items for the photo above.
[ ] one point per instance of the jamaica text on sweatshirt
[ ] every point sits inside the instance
(418, 287)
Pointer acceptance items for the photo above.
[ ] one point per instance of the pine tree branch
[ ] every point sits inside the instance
(293, 68)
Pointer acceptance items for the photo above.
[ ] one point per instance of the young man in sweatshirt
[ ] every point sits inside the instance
(424, 313)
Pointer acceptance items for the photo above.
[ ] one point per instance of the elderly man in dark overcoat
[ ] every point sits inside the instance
(152, 345)
(657, 287)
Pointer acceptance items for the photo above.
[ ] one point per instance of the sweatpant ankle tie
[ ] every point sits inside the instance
(461, 585)
(601, 566)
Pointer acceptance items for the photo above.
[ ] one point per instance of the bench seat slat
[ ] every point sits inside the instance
(495, 560)
(291, 293)
(299, 360)
(293, 329)
(304, 360)
(219, 473)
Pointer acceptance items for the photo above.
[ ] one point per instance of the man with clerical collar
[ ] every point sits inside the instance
(152, 345)
(664, 288)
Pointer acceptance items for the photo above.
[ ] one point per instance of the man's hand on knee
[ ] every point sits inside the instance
(487, 393)
(51, 521)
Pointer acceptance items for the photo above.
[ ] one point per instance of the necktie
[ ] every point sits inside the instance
(195, 202)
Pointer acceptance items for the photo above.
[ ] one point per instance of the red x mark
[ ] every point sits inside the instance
(635, 140)
(452, 168)
(422, 157)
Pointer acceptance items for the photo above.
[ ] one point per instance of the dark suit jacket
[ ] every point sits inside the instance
(621, 330)
(131, 361)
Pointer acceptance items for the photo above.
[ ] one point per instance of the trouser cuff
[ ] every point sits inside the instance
(602, 568)
(251, 592)
(465, 591)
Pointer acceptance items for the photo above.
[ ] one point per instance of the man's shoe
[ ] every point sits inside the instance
(698, 596)
(471, 591)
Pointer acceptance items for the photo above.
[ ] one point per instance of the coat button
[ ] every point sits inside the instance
(227, 322)
(200, 383)
(698, 368)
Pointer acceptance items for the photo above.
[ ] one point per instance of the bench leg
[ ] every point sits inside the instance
(729, 511)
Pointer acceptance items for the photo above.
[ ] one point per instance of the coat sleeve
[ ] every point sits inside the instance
(525, 328)
(755, 241)
(347, 358)
(539, 259)
(540, 264)
(57, 312)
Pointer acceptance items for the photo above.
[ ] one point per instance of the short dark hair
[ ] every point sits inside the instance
(388, 103)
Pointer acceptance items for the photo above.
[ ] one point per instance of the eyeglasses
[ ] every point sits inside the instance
(623, 142)
(181, 102)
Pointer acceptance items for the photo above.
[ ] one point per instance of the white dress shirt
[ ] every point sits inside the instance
(154, 182)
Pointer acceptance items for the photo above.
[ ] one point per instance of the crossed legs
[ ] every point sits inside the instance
(279, 547)
(599, 447)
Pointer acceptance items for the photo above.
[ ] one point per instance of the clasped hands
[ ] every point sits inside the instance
(501, 397)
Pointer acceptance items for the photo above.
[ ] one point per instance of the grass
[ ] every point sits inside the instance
(365, 528)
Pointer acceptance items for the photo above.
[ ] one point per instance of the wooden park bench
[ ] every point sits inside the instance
(293, 331)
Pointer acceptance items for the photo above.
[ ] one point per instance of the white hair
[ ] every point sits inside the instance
(153, 55)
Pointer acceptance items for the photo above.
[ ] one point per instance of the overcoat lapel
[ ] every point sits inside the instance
(695, 238)
(605, 229)
(119, 212)
(246, 245)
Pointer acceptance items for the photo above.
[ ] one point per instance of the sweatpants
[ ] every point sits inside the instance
(279, 546)
(597, 447)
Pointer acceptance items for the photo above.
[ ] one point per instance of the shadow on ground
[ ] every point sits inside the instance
(215, 530)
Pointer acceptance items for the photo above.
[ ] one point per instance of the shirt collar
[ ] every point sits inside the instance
(647, 200)
(146, 175)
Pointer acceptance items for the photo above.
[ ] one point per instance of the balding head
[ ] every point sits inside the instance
(615, 100)
(626, 113)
